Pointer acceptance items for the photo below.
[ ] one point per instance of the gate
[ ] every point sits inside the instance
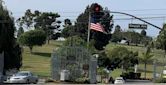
(75, 59)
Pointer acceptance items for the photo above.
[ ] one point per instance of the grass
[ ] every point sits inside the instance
(158, 54)
(39, 61)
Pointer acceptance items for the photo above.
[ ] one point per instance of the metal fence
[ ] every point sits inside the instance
(71, 58)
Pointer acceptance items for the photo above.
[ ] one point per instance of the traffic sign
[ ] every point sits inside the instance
(138, 26)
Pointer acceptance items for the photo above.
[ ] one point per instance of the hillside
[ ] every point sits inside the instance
(39, 61)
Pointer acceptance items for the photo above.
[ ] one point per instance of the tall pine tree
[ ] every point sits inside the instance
(8, 45)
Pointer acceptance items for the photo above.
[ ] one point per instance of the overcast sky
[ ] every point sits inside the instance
(72, 8)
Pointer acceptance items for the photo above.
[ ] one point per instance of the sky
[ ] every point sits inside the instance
(154, 11)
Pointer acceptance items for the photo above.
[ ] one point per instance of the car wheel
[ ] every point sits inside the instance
(28, 82)
(36, 82)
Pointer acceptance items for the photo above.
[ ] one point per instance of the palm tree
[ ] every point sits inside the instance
(146, 57)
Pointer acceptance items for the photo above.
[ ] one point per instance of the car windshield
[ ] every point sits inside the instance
(119, 79)
(21, 74)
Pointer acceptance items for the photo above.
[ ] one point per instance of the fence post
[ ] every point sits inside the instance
(93, 70)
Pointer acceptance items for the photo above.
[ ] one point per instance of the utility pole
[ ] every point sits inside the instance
(88, 38)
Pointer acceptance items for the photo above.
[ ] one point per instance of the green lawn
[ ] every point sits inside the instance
(39, 61)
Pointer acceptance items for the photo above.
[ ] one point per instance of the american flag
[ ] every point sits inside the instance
(94, 25)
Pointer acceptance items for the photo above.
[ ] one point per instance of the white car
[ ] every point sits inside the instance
(119, 80)
(23, 77)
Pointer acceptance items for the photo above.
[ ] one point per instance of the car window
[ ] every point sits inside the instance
(30, 74)
(21, 74)
(119, 79)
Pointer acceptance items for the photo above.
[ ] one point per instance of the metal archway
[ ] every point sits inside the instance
(137, 18)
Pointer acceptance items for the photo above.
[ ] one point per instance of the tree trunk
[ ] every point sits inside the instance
(30, 47)
(122, 69)
(1, 66)
(48, 38)
(145, 71)
(48, 41)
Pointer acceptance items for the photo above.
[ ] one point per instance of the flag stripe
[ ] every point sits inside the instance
(96, 27)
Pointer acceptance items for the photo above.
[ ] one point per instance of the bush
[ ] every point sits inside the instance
(49, 80)
(82, 81)
(160, 80)
(131, 75)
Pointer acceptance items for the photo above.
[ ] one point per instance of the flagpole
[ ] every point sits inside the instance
(88, 38)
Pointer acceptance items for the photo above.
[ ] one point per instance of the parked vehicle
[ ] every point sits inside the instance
(119, 80)
(23, 77)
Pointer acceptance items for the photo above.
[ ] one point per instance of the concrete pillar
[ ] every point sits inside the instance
(93, 70)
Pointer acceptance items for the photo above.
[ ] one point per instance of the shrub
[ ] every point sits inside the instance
(49, 80)
(160, 80)
(131, 75)
(82, 81)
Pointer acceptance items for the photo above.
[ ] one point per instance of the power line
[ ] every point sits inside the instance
(144, 9)
(117, 19)
(160, 17)
(110, 10)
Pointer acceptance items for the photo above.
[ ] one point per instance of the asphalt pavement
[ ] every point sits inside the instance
(128, 82)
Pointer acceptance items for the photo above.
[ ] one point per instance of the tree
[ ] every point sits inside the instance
(104, 61)
(69, 29)
(143, 33)
(67, 22)
(32, 38)
(117, 35)
(75, 41)
(146, 57)
(8, 45)
(16, 60)
(26, 20)
(81, 28)
(121, 57)
(20, 31)
(162, 38)
(117, 29)
(145, 39)
(133, 37)
(45, 21)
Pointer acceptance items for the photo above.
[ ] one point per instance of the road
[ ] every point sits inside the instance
(139, 82)
(128, 82)
(41, 82)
